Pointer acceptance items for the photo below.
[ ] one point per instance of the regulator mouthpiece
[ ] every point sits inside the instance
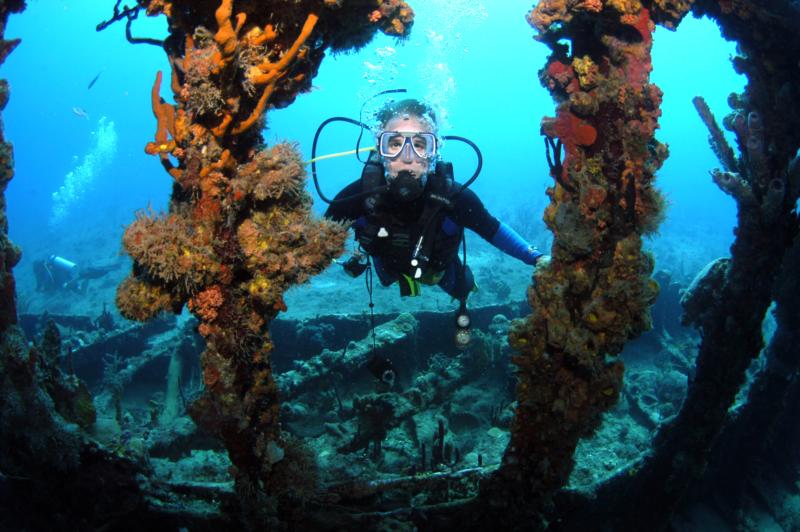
(406, 187)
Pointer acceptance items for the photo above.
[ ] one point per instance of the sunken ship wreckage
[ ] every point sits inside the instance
(239, 232)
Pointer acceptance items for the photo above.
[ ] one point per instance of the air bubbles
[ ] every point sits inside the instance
(386, 51)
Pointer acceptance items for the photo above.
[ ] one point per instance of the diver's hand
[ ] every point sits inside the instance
(532, 256)
(542, 262)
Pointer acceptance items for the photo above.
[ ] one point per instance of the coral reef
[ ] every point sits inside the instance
(596, 292)
(30, 381)
(728, 301)
(239, 230)
(9, 253)
(760, 437)
(48, 468)
(738, 291)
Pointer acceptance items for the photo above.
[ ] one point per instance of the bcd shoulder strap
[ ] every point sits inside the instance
(438, 201)
(373, 180)
(440, 189)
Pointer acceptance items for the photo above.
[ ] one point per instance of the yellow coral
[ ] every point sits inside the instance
(259, 287)
(139, 301)
(586, 70)
(625, 6)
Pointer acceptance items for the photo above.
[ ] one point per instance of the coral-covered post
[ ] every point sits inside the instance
(596, 292)
(764, 181)
(239, 230)
(9, 253)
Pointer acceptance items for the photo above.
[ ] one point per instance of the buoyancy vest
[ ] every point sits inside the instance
(416, 247)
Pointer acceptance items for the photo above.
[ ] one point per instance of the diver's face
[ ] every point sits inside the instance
(408, 159)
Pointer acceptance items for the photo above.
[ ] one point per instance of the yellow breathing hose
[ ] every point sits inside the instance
(340, 154)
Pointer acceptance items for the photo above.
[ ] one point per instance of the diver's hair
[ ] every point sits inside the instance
(408, 106)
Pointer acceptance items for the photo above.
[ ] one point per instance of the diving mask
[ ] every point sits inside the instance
(391, 144)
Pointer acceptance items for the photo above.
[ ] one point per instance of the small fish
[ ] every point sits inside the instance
(94, 80)
(77, 111)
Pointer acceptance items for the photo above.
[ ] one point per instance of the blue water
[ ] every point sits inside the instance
(479, 66)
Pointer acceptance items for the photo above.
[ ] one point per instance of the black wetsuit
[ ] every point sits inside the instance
(466, 211)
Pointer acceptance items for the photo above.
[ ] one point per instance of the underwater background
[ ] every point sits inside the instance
(79, 117)
(80, 179)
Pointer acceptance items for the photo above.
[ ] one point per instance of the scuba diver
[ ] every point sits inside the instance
(58, 273)
(409, 214)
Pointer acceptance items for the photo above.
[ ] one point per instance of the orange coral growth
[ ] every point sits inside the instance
(208, 209)
(226, 36)
(592, 6)
(393, 16)
(547, 12)
(239, 230)
(594, 294)
(205, 305)
(280, 305)
(273, 175)
(268, 71)
(258, 110)
(224, 162)
(165, 120)
(141, 301)
(570, 129)
(258, 36)
(169, 250)
(211, 376)
(560, 75)
(220, 129)
(642, 23)
(155, 148)
(593, 196)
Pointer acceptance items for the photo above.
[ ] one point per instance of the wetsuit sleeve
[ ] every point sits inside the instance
(343, 209)
(510, 242)
(471, 213)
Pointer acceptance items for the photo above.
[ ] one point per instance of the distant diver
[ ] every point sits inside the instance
(78, 111)
(94, 80)
(57, 273)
